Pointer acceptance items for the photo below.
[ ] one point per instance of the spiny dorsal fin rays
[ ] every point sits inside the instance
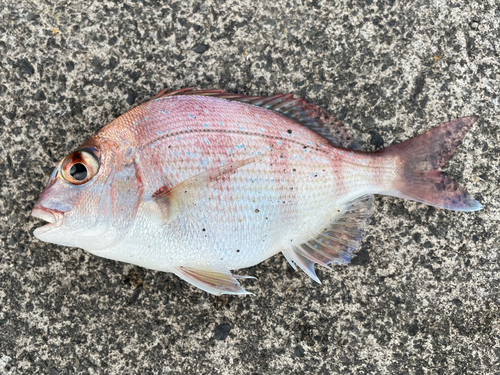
(213, 280)
(307, 114)
(189, 192)
(186, 91)
(336, 242)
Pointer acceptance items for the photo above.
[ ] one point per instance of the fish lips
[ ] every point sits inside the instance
(53, 217)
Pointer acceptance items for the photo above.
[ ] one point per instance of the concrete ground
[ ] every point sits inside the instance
(422, 297)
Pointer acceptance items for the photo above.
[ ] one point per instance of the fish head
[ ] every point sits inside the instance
(77, 200)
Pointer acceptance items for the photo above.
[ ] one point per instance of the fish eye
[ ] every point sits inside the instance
(78, 171)
(80, 167)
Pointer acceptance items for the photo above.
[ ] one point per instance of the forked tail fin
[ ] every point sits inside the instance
(421, 157)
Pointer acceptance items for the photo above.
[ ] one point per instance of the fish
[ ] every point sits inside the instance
(200, 183)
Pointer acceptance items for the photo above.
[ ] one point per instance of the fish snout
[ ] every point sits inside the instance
(52, 216)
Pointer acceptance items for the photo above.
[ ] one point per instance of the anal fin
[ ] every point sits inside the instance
(296, 258)
(212, 280)
(336, 243)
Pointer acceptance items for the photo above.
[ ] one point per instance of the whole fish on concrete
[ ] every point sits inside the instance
(200, 183)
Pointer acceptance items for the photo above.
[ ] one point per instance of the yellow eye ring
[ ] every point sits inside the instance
(80, 167)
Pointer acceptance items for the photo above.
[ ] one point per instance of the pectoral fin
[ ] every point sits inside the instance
(212, 280)
(189, 192)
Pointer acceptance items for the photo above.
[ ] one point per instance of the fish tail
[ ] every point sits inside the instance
(419, 159)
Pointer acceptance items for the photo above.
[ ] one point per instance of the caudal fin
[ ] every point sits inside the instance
(420, 159)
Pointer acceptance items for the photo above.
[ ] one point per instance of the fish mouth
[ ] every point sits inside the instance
(54, 218)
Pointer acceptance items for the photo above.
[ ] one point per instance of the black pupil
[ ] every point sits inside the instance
(78, 171)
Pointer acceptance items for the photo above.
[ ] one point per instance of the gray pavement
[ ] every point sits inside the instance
(422, 297)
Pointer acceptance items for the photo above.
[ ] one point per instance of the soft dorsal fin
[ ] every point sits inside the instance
(307, 114)
(336, 243)
(189, 192)
(212, 279)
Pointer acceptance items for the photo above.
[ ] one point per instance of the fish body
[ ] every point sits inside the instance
(201, 183)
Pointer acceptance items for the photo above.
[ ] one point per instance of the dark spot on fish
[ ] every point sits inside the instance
(289, 131)
(257, 211)
(266, 217)
(294, 170)
(237, 251)
(203, 230)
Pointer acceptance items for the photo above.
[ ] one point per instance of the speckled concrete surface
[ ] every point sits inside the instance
(422, 297)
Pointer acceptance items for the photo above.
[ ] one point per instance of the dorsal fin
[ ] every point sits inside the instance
(307, 114)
